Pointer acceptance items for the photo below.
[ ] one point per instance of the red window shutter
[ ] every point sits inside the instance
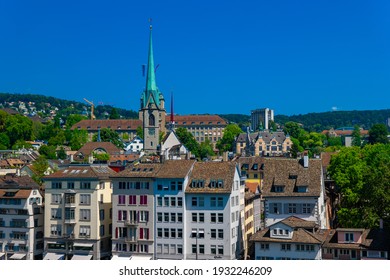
(141, 233)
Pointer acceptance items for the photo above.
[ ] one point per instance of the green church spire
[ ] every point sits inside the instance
(152, 94)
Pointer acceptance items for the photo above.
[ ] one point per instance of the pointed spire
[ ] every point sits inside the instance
(150, 75)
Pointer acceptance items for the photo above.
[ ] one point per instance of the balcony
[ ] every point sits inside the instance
(68, 236)
(131, 223)
(132, 239)
(70, 221)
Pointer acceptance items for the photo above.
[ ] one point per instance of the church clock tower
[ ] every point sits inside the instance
(152, 112)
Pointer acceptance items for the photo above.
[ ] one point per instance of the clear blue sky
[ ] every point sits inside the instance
(215, 56)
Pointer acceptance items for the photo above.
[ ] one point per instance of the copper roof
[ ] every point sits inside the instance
(96, 172)
(290, 173)
(130, 124)
(197, 120)
(208, 171)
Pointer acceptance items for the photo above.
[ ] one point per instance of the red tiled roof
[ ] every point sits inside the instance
(197, 120)
(90, 147)
(130, 124)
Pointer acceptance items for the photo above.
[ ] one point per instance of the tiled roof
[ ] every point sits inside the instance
(140, 170)
(290, 174)
(197, 120)
(267, 136)
(90, 147)
(295, 222)
(130, 124)
(326, 157)
(23, 194)
(252, 186)
(175, 168)
(207, 171)
(12, 181)
(300, 235)
(251, 162)
(96, 172)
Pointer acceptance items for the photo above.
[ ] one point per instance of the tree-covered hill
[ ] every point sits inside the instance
(42, 105)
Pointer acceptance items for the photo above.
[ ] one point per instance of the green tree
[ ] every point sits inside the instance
(40, 166)
(230, 132)
(363, 177)
(78, 139)
(18, 128)
(101, 157)
(49, 152)
(188, 140)
(61, 154)
(4, 140)
(378, 134)
(140, 132)
(20, 144)
(114, 115)
(109, 135)
(73, 119)
(206, 149)
(293, 129)
(356, 138)
(334, 141)
(58, 139)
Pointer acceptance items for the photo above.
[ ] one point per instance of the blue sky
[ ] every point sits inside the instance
(215, 56)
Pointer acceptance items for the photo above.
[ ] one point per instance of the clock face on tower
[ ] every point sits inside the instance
(152, 131)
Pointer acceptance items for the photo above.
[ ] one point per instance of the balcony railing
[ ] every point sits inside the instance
(131, 239)
(131, 223)
(70, 221)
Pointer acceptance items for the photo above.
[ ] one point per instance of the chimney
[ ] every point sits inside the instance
(305, 160)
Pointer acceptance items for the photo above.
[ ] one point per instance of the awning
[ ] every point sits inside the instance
(118, 258)
(83, 245)
(140, 258)
(81, 257)
(17, 256)
(53, 256)
(2, 255)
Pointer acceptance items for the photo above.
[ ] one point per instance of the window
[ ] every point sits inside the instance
(143, 200)
(70, 185)
(159, 201)
(179, 233)
(348, 237)
(166, 232)
(213, 249)
(85, 231)
(166, 217)
(264, 246)
(179, 217)
(220, 249)
(56, 230)
(179, 186)
(69, 214)
(85, 185)
(85, 199)
(173, 233)
(179, 202)
(173, 185)
(56, 213)
(285, 247)
(213, 233)
(56, 198)
(292, 208)
(159, 217)
(173, 201)
(201, 218)
(307, 208)
(144, 233)
(166, 201)
(220, 217)
(179, 249)
(173, 217)
(159, 232)
(194, 217)
(151, 120)
(201, 248)
(220, 233)
(121, 199)
(56, 185)
(213, 217)
(85, 214)
(277, 189)
(132, 200)
(144, 216)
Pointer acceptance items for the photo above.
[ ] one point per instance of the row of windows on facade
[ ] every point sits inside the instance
(297, 189)
(134, 248)
(84, 214)
(214, 183)
(84, 231)
(287, 247)
(354, 253)
(133, 216)
(172, 249)
(72, 185)
(132, 200)
(133, 185)
(13, 211)
(291, 208)
(15, 235)
(14, 247)
(132, 234)
(14, 223)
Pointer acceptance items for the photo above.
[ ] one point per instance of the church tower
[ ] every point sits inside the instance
(152, 112)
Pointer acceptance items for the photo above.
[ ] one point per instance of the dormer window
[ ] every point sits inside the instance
(300, 189)
(255, 166)
(277, 189)
(197, 184)
(349, 237)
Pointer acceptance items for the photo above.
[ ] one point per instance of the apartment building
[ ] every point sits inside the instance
(21, 219)
(171, 231)
(133, 211)
(261, 118)
(214, 212)
(78, 213)
(294, 187)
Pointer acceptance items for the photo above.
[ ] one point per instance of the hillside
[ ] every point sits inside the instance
(31, 104)
(35, 104)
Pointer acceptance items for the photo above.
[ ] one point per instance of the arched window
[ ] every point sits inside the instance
(151, 120)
